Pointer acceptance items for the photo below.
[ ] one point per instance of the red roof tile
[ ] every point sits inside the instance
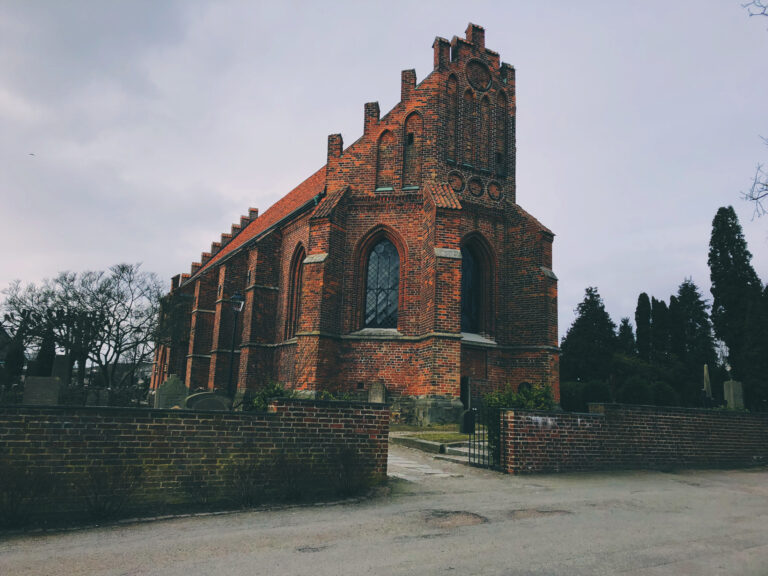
(445, 196)
(296, 198)
(327, 204)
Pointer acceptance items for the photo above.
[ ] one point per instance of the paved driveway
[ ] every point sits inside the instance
(438, 517)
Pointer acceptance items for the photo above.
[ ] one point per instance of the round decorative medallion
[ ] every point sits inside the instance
(494, 190)
(479, 75)
(456, 181)
(475, 187)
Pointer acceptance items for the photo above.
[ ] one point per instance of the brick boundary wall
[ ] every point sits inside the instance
(616, 436)
(305, 443)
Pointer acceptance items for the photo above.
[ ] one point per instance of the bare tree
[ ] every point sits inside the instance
(106, 319)
(758, 192)
(125, 302)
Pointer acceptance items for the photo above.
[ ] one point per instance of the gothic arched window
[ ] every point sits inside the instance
(451, 118)
(485, 144)
(476, 283)
(468, 128)
(382, 285)
(294, 293)
(501, 135)
(385, 161)
(412, 151)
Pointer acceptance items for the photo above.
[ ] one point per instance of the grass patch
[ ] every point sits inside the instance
(453, 427)
(440, 437)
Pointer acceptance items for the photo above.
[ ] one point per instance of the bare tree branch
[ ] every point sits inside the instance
(758, 192)
(756, 8)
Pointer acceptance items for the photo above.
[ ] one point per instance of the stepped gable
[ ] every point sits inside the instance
(296, 198)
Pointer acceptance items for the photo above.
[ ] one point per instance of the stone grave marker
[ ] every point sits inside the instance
(41, 390)
(171, 393)
(208, 401)
(734, 395)
(377, 393)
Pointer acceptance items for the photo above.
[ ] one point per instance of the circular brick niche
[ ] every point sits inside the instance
(479, 75)
(494, 190)
(456, 181)
(475, 187)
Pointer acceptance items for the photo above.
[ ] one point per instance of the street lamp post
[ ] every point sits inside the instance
(237, 302)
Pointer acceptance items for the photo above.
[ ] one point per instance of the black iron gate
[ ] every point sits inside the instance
(483, 425)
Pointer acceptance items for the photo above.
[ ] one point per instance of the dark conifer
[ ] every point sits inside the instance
(590, 342)
(626, 338)
(643, 324)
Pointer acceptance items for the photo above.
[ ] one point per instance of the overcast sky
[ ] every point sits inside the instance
(139, 131)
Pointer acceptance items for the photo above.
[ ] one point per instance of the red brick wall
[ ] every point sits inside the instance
(174, 446)
(616, 436)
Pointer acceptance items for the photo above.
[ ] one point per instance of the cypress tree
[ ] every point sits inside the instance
(692, 341)
(643, 324)
(590, 342)
(626, 341)
(659, 330)
(735, 286)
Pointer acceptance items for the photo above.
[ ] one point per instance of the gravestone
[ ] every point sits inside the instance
(208, 401)
(377, 393)
(60, 368)
(97, 397)
(734, 395)
(41, 390)
(171, 393)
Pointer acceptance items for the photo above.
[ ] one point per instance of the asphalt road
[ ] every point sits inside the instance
(438, 517)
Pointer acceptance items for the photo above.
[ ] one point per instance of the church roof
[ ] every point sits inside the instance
(295, 199)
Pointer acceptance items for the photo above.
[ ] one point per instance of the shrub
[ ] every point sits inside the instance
(106, 489)
(664, 394)
(596, 391)
(636, 390)
(246, 480)
(20, 492)
(258, 400)
(572, 397)
(198, 488)
(338, 396)
(294, 479)
(349, 473)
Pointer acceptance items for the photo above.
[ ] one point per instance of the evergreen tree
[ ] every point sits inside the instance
(738, 303)
(626, 343)
(590, 342)
(692, 341)
(660, 341)
(643, 323)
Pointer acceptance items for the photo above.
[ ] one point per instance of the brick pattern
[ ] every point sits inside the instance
(614, 436)
(175, 446)
(435, 172)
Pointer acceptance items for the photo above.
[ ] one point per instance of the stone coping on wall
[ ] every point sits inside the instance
(186, 411)
(626, 436)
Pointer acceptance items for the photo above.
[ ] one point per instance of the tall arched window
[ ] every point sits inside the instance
(476, 281)
(485, 143)
(451, 118)
(382, 285)
(468, 123)
(501, 135)
(294, 293)
(412, 150)
(385, 161)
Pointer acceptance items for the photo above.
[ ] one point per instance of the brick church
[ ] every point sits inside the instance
(405, 261)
